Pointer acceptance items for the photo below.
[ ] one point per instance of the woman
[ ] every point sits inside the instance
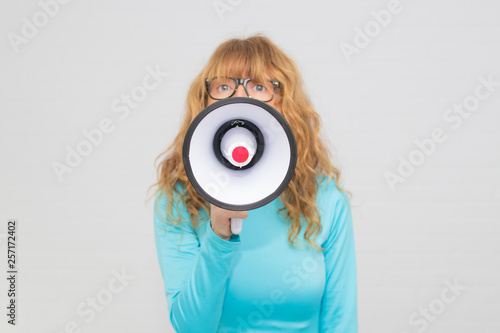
(293, 267)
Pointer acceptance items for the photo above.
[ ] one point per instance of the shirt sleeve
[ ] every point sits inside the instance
(339, 311)
(194, 270)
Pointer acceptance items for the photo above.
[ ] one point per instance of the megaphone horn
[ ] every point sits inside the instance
(239, 154)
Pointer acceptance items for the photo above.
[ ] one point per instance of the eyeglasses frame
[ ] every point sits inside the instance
(243, 82)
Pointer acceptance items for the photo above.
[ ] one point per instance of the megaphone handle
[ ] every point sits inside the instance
(236, 223)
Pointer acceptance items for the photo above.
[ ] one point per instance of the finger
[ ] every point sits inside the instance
(240, 214)
(229, 213)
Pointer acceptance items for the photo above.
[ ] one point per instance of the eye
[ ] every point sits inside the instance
(259, 88)
(223, 87)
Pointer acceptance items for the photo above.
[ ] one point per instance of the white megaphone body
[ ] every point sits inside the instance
(239, 154)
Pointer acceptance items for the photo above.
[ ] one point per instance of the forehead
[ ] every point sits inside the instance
(239, 67)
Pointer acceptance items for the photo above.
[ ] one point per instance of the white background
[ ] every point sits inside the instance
(440, 224)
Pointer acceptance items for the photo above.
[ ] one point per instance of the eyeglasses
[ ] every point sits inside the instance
(224, 87)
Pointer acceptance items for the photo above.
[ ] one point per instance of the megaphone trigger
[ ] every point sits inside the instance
(236, 224)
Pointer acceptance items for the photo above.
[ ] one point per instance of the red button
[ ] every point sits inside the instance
(240, 154)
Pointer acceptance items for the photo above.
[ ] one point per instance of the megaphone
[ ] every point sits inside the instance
(239, 154)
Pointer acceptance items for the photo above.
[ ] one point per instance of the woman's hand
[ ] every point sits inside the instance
(221, 220)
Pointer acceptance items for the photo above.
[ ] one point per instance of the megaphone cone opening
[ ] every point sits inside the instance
(238, 144)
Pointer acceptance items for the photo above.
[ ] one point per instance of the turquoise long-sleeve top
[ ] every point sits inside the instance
(256, 281)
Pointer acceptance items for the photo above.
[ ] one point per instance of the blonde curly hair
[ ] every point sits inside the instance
(259, 58)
